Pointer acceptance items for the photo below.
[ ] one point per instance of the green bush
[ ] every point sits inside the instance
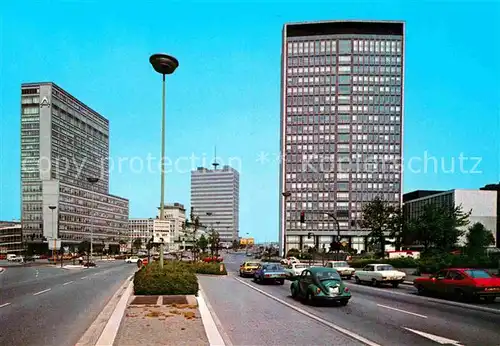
(402, 262)
(152, 280)
(435, 262)
(193, 267)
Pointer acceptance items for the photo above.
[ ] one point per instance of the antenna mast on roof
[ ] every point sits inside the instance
(215, 164)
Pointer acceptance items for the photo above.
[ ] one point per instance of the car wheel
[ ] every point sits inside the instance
(395, 284)
(375, 283)
(358, 281)
(420, 290)
(349, 277)
(344, 302)
(309, 298)
(461, 295)
(294, 292)
(281, 282)
(489, 300)
(241, 274)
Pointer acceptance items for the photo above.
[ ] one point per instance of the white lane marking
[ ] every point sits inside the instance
(4, 305)
(403, 311)
(213, 333)
(435, 338)
(84, 277)
(430, 299)
(37, 293)
(67, 283)
(314, 317)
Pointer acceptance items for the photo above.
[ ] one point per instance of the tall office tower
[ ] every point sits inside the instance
(215, 195)
(63, 144)
(341, 127)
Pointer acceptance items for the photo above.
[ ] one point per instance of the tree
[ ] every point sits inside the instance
(236, 244)
(438, 227)
(214, 240)
(84, 246)
(137, 244)
(203, 243)
(382, 219)
(478, 238)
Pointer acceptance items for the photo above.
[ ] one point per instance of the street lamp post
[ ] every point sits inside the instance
(338, 232)
(53, 208)
(92, 181)
(163, 64)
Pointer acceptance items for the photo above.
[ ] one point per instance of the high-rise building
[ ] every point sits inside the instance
(64, 150)
(215, 197)
(341, 127)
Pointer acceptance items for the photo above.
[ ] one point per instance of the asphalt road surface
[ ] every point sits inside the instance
(54, 306)
(385, 316)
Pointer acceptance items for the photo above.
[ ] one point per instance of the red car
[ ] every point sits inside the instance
(463, 283)
(212, 259)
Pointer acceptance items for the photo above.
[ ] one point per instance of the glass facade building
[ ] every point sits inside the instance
(63, 143)
(341, 127)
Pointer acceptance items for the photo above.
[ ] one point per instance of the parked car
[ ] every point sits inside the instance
(345, 271)
(378, 274)
(270, 272)
(462, 283)
(320, 284)
(213, 259)
(295, 269)
(248, 268)
(132, 259)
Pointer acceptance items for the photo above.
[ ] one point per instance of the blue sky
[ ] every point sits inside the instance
(226, 90)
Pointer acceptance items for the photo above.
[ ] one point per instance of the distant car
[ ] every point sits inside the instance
(320, 284)
(132, 259)
(270, 272)
(289, 260)
(342, 267)
(89, 264)
(378, 274)
(212, 259)
(295, 269)
(248, 268)
(462, 283)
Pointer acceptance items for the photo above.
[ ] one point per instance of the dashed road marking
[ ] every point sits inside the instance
(37, 293)
(4, 305)
(403, 311)
(84, 277)
(314, 317)
(67, 283)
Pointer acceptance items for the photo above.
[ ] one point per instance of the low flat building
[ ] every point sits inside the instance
(496, 188)
(482, 205)
(10, 238)
(146, 228)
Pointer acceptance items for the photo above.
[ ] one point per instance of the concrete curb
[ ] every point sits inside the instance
(95, 332)
(212, 325)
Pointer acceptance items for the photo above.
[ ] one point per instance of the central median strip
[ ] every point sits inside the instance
(403, 311)
(312, 316)
(44, 291)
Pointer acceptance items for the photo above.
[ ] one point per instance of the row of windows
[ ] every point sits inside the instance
(343, 79)
(344, 60)
(341, 89)
(344, 46)
(357, 69)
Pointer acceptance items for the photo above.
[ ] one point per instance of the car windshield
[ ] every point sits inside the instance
(479, 274)
(385, 267)
(273, 267)
(300, 266)
(328, 275)
(340, 264)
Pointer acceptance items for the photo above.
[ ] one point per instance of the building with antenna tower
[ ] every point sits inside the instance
(215, 197)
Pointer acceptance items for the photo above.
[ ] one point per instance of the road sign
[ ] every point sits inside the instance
(54, 244)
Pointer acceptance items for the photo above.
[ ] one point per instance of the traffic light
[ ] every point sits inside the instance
(309, 235)
(302, 217)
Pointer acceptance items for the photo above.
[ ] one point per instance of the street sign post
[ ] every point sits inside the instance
(54, 244)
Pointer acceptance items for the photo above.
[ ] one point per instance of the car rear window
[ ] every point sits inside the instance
(479, 274)
(273, 267)
(252, 264)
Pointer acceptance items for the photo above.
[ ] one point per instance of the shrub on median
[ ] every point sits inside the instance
(153, 280)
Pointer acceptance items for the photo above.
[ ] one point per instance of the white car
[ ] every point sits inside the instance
(342, 268)
(132, 259)
(377, 274)
(289, 260)
(295, 269)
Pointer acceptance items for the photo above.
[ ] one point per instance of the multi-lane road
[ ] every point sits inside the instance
(253, 314)
(41, 305)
